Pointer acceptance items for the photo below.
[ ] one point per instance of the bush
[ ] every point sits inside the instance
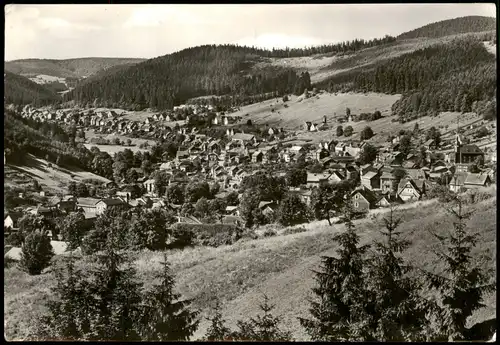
(36, 253)
(213, 235)
(297, 230)
(348, 131)
(269, 233)
(182, 237)
(15, 239)
(8, 262)
(475, 196)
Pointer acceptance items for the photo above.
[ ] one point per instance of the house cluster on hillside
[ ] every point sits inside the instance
(227, 160)
(390, 178)
(108, 121)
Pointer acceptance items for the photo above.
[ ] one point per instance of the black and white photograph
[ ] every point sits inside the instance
(250, 172)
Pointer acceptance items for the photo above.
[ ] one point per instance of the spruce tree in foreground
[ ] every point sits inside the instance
(217, 330)
(36, 253)
(340, 309)
(165, 317)
(464, 285)
(68, 316)
(117, 294)
(262, 328)
(400, 313)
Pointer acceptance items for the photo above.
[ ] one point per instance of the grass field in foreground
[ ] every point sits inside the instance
(278, 266)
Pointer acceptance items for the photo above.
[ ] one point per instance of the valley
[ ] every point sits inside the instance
(177, 197)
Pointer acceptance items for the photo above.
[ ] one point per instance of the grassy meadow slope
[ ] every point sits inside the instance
(313, 109)
(277, 266)
(52, 178)
(445, 122)
(69, 68)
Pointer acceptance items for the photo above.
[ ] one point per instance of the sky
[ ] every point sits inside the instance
(147, 31)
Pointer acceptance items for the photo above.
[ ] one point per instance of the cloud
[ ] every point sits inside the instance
(155, 15)
(63, 31)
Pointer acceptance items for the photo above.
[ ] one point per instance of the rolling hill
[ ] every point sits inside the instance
(452, 27)
(70, 68)
(21, 90)
(242, 71)
(61, 76)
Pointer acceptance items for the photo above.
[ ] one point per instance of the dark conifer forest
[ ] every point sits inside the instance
(172, 79)
(445, 77)
(452, 27)
(21, 90)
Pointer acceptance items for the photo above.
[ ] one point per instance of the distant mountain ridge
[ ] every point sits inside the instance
(452, 27)
(240, 72)
(68, 68)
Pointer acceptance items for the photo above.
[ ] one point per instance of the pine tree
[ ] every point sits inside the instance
(262, 328)
(36, 252)
(341, 311)
(464, 285)
(165, 317)
(399, 311)
(68, 316)
(117, 295)
(217, 330)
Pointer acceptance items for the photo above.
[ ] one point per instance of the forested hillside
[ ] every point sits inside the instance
(70, 68)
(172, 79)
(452, 27)
(44, 140)
(446, 77)
(205, 70)
(21, 90)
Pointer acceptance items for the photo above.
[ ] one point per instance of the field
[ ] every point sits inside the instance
(445, 122)
(52, 178)
(313, 109)
(112, 149)
(278, 266)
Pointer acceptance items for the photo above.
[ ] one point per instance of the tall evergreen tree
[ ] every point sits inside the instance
(463, 285)
(341, 310)
(400, 314)
(165, 317)
(69, 315)
(117, 294)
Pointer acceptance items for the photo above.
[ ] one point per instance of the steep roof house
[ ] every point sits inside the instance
(408, 190)
(388, 183)
(257, 156)
(104, 204)
(371, 180)
(363, 200)
(321, 153)
(11, 221)
(244, 138)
